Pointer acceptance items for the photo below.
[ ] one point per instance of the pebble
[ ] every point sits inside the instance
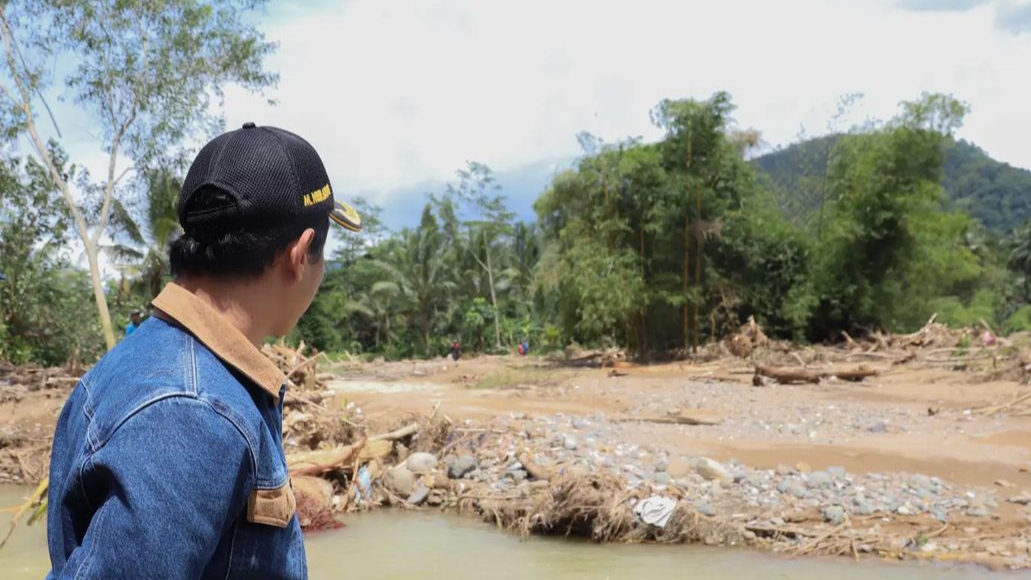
(461, 466)
(878, 427)
(834, 515)
(711, 470)
(400, 480)
(706, 509)
(862, 507)
(905, 510)
(571, 443)
(977, 512)
(662, 466)
(784, 470)
(1023, 499)
(838, 472)
(419, 495)
(663, 478)
(818, 479)
(421, 462)
(791, 488)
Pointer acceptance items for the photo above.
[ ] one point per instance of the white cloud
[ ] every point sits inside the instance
(399, 93)
(395, 94)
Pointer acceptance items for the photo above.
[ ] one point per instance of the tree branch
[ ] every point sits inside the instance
(30, 125)
(109, 189)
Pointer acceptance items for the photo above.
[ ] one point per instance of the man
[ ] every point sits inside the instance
(134, 322)
(167, 461)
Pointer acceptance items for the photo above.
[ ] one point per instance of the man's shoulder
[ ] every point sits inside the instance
(159, 362)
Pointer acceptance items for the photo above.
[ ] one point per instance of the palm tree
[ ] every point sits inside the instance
(143, 259)
(417, 263)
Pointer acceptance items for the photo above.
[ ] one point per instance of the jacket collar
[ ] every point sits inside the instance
(221, 337)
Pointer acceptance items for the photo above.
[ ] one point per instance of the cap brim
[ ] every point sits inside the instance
(346, 217)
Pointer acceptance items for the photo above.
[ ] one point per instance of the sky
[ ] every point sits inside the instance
(397, 95)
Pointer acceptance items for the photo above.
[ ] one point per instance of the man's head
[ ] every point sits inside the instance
(135, 317)
(255, 210)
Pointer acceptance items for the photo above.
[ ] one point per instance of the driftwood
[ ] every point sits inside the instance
(319, 462)
(788, 376)
(675, 419)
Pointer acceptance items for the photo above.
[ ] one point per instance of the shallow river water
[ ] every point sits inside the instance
(430, 546)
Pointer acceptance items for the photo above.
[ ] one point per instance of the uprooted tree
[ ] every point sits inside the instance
(145, 72)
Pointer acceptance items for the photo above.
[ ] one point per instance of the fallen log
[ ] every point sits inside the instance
(789, 376)
(677, 419)
(319, 462)
(398, 434)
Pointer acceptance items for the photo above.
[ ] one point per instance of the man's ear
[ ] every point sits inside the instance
(299, 253)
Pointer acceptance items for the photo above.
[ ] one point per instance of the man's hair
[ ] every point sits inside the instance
(243, 252)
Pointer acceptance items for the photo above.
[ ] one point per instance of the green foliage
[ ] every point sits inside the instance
(889, 248)
(995, 194)
(42, 298)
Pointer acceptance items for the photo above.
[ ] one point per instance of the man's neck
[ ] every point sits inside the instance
(241, 304)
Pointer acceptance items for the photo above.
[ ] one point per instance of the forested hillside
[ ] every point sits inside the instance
(996, 194)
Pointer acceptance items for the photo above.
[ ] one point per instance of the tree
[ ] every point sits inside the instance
(41, 296)
(144, 71)
(143, 260)
(890, 248)
(489, 228)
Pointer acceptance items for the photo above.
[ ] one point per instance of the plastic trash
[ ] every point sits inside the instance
(364, 490)
(655, 510)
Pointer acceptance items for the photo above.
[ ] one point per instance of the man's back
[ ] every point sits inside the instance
(165, 446)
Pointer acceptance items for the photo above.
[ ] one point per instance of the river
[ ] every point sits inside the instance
(389, 545)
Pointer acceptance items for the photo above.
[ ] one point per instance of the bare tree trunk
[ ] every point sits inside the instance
(493, 301)
(90, 242)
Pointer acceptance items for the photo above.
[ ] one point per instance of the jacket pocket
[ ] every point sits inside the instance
(272, 507)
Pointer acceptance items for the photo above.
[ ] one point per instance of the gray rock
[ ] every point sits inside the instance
(977, 512)
(580, 424)
(400, 480)
(461, 466)
(921, 482)
(419, 495)
(777, 521)
(862, 507)
(663, 478)
(818, 479)
(711, 470)
(1023, 499)
(661, 466)
(517, 475)
(834, 515)
(878, 427)
(706, 509)
(838, 472)
(792, 488)
(905, 510)
(570, 443)
(421, 462)
(784, 470)
(939, 514)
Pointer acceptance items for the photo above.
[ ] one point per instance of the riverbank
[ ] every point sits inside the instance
(921, 461)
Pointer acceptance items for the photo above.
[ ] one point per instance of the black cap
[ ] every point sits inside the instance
(259, 176)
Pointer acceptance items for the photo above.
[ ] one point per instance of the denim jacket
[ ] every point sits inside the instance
(168, 458)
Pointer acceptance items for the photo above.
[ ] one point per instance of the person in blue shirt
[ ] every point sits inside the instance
(167, 459)
(135, 319)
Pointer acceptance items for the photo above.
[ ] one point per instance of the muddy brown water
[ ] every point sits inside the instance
(389, 545)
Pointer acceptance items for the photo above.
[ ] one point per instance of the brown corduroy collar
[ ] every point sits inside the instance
(216, 333)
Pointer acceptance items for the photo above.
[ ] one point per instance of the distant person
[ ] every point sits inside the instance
(524, 347)
(456, 351)
(135, 319)
(168, 456)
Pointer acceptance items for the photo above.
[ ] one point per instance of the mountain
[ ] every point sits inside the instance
(996, 194)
